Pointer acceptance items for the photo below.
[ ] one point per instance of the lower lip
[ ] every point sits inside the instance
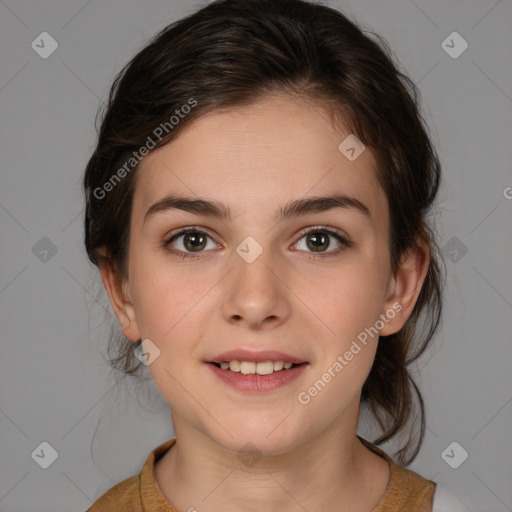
(258, 383)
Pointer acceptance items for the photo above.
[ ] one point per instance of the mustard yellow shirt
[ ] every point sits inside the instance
(406, 492)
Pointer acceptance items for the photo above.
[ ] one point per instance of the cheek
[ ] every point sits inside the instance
(168, 295)
(173, 307)
(171, 314)
(347, 299)
(349, 305)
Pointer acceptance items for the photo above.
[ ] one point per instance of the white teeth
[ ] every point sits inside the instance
(234, 366)
(265, 367)
(250, 367)
(278, 365)
(247, 367)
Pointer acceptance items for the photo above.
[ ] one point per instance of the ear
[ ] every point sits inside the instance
(404, 288)
(118, 291)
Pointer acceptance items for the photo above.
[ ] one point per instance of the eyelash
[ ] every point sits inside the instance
(345, 243)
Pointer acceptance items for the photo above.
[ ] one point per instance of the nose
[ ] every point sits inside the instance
(256, 294)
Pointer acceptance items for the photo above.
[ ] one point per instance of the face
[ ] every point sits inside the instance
(307, 284)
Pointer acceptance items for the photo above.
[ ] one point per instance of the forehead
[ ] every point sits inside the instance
(258, 156)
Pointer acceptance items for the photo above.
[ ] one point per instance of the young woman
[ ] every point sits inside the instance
(257, 206)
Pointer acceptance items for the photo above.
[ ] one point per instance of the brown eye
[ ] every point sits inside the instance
(319, 239)
(187, 242)
(194, 241)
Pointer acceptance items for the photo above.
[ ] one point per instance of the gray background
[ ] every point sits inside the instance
(55, 383)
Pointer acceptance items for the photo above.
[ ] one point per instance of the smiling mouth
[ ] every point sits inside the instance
(253, 368)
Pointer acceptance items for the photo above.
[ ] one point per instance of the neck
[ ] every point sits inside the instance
(334, 467)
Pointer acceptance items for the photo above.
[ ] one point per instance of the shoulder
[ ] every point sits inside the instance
(139, 492)
(123, 497)
(407, 491)
(447, 501)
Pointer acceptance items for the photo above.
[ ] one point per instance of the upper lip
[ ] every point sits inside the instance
(256, 357)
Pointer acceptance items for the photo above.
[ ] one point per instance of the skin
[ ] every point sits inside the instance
(255, 159)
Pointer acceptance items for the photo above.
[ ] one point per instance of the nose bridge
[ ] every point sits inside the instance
(256, 292)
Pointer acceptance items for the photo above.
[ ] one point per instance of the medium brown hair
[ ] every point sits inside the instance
(231, 53)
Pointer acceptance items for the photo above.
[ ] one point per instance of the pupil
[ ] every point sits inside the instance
(324, 243)
(196, 239)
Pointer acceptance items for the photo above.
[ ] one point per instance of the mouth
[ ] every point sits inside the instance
(256, 371)
(257, 377)
(250, 361)
(256, 368)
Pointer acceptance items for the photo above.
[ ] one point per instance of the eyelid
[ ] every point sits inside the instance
(186, 229)
(317, 227)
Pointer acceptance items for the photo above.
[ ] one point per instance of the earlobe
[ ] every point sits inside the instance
(121, 301)
(405, 287)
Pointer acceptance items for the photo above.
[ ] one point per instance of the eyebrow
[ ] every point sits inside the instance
(210, 208)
